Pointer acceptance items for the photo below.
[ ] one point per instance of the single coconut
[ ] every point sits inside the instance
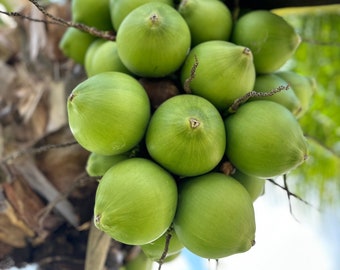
(269, 36)
(186, 135)
(215, 216)
(264, 139)
(207, 20)
(135, 201)
(224, 72)
(108, 113)
(153, 40)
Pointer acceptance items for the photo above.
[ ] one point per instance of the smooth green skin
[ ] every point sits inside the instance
(141, 262)
(224, 73)
(287, 98)
(108, 113)
(104, 58)
(97, 165)
(264, 139)
(153, 40)
(91, 50)
(172, 257)
(304, 88)
(271, 39)
(254, 185)
(176, 145)
(135, 201)
(215, 216)
(119, 9)
(95, 13)
(74, 44)
(155, 249)
(207, 20)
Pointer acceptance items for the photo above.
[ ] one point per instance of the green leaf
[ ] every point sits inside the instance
(318, 56)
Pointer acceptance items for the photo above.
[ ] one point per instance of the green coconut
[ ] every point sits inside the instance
(75, 43)
(90, 52)
(119, 9)
(95, 13)
(140, 262)
(271, 39)
(155, 249)
(108, 113)
(135, 201)
(207, 20)
(264, 139)
(304, 88)
(224, 72)
(186, 135)
(97, 165)
(215, 216)
(153, 40)
(254, 185)
(266, 82)
(104, 58)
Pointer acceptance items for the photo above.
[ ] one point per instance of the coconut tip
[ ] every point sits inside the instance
(154, 19)
(305, 157)
(71, 97)
(97, 220)
(247, 51)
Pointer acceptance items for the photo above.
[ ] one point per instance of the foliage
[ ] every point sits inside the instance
(318, 56)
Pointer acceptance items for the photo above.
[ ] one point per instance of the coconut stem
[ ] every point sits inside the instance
(194, 123)
(227, 168)
(192, 76)
(166, 247)
(253, 94)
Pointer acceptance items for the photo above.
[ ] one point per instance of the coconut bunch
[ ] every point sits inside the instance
(179, 164)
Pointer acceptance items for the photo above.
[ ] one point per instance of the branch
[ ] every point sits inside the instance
(108, 35)
(17, 14)
(37, 150)
(254, 94)
(192, 76)
(289, 194)
(166, 247)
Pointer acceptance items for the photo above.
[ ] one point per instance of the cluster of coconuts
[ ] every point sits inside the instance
(177, 166)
